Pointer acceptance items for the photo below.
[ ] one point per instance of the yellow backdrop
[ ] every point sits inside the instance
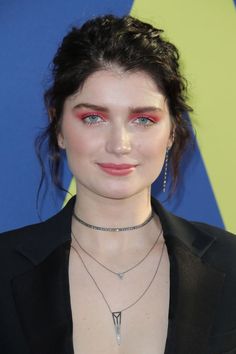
(205, 32)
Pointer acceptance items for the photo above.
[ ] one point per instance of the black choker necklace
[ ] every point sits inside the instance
(113, 229)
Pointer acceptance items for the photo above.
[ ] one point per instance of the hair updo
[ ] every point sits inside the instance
(125, 42)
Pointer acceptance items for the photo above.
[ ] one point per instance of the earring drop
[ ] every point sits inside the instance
(165, 170)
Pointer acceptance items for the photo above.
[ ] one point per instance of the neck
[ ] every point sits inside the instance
(112, 213)
(107, 212)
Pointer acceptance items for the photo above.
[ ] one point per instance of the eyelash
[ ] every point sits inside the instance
(92, 116)
(84, 117)
(150, 120)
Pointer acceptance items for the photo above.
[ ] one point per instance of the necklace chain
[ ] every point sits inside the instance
(119, 274)
(116, 315)
(113, 229)
(99, 289)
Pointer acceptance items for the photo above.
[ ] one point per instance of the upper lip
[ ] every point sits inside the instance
(120, 166)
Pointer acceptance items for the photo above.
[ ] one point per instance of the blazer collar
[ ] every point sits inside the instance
(57, 230)
(44, 238)
(195, 286)
(190, 234)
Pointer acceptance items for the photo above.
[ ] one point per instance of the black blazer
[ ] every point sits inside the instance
(35, 311)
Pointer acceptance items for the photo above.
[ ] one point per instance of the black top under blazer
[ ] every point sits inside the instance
(35, 310)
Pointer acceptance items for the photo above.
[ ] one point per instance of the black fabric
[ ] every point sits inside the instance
(34, 293)
(35, 310)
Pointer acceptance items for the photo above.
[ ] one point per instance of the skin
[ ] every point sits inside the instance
(118, 118)
(130, 124)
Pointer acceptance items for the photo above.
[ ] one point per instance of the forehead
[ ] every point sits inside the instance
(115, 87)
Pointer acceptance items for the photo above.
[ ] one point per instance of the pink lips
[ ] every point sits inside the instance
(117, 169)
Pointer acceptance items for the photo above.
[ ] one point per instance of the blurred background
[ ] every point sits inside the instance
(203, 31)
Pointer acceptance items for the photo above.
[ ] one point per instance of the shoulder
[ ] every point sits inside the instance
(35, 242)
(25, 233)
(13, 237)
(220, 236)
(222, 252)
(219, 245)
(14, 240)
(222, 243)
(213, 230)
(210, 243)
(56, 223)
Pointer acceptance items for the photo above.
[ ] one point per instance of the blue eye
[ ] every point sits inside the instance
(92, 119)
(145, 121)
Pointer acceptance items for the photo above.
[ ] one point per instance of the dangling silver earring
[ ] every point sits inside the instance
(165, 170)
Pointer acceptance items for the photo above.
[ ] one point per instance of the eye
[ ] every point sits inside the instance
(92, 119)
(145, 121)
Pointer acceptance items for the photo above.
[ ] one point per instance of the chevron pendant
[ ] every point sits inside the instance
(116, 316)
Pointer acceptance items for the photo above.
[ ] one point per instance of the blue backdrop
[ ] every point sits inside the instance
(30, 32)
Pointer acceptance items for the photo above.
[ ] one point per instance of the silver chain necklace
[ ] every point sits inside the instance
(113, 229)
(120, 275)
(116, 316)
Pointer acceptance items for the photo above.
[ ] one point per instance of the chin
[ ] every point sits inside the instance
(116, 195)
(121, 194)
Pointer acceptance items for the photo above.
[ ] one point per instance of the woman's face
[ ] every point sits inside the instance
(115, 131)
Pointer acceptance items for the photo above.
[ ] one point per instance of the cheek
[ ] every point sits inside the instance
(77, 144)
(73, 138)
(154, 150)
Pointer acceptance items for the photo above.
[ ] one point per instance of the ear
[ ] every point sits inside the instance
(60, 141)
(171, 138)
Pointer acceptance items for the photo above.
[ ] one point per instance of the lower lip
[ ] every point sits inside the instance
(116, 171)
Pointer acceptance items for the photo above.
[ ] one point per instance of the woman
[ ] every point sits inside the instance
(114, 272)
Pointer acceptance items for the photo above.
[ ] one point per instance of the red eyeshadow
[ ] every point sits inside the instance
(152, 117)
(83, 115)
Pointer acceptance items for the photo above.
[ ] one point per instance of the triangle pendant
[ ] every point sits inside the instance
(116, 316)
(120, 275)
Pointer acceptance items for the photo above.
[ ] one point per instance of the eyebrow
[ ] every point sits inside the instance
(105, 109)
(145, 109)
(91, 106)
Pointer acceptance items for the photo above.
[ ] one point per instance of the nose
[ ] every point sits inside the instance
(119, 141)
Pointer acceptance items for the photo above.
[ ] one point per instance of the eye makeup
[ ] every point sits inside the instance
(153, 118)
(83, 115)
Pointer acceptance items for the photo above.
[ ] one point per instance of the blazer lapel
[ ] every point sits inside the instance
(41, 293)
(195, 293)
(43, 306)
(195, 286)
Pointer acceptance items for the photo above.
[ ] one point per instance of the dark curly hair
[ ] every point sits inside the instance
(125, 42)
